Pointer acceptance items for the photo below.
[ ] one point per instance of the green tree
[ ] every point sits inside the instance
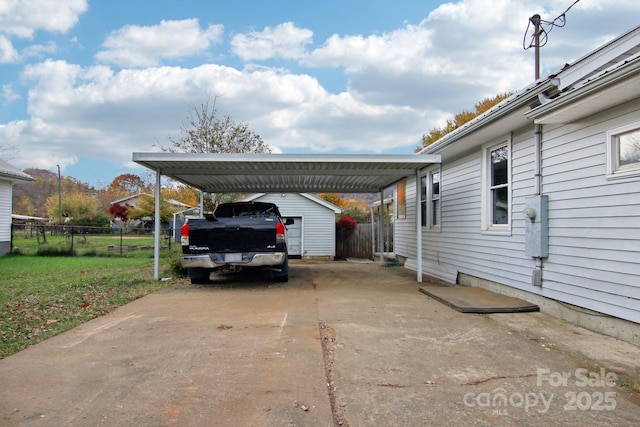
(460, 119)
(80, 208)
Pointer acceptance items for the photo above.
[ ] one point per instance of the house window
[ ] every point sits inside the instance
(423, 200)
(434, 220)
(402, 199)
(623, 152)
(496, 215)
(430, 199)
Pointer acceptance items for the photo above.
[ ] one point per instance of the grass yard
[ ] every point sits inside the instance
(90, 243)
(43, 296)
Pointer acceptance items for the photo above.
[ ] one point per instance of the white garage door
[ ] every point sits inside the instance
(294, 236)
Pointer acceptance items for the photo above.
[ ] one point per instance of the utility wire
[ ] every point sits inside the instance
(545, 28)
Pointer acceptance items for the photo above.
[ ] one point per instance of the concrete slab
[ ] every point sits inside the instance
(357, 344)
(400, 358)
(235, 353)
(467, 299)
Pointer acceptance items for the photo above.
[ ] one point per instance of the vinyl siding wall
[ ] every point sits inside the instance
(318, 222)
(5, 215)
(460, 243)
(594, 224)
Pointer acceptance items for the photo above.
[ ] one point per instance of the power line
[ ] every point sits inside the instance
(540, 37)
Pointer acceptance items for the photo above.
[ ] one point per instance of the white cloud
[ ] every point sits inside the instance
(8, 54)
(8, 93)
(463, 52)
(137, 46)
(398, 84)
(39, 50)
(23, 18)
(96, 112)
(283, 41)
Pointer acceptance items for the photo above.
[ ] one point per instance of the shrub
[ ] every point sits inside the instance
(45, 250)
(346, 223)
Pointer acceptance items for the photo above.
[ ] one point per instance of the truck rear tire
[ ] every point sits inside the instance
(283, 275)
(198, 276)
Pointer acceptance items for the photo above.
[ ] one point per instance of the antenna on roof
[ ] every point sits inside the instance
(535, 20)
(540, 34)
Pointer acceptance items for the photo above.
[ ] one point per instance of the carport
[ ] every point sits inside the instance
(286, 173)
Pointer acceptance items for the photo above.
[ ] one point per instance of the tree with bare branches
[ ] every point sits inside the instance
(209, 132)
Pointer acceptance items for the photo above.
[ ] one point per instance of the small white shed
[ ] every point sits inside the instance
(8, 176)
(312, 235)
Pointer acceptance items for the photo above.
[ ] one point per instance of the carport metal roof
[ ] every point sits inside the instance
(284, 173)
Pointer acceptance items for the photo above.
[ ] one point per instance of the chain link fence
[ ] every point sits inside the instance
(33, 238)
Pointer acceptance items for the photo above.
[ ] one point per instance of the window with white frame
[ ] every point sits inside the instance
(430, 199)
(623, 151)
(496, 212)
(423, 200)
(434, 211)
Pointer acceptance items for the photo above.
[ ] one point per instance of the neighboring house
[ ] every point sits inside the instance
(134, 200)
(312, 235)
(8, 176)
(564, 151)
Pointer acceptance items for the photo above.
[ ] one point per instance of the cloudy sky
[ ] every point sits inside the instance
(85, 83)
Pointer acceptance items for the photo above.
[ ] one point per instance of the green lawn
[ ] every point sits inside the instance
(44, 296)
(92, 243)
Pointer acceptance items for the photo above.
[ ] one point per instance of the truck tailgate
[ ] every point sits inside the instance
(233, 235)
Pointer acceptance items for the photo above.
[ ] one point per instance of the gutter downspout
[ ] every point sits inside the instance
(538, 161)
(418, 229)
(538, 182)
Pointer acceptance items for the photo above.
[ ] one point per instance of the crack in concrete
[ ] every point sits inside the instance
(328, 340)
(498, 377)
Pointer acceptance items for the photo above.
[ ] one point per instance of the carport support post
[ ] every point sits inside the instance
(156, 237)
(380, 225)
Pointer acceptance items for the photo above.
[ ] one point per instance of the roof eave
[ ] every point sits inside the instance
(625, 79)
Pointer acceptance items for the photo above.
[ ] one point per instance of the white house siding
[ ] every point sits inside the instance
(5, 216)
(318, 222)
(594, 223)
(460, 244)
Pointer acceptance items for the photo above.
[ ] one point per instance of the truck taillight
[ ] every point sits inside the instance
(279, 232)
(184, 235)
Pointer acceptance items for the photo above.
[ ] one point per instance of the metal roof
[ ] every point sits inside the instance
(12, 173)
(285, 173)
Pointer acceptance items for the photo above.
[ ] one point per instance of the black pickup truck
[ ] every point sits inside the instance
(237, 236)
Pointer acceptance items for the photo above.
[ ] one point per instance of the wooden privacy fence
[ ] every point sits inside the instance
(358, 243)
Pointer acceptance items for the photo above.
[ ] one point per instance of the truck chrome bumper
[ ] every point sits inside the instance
(244, 259)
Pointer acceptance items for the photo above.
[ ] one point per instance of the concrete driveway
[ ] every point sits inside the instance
(340, 344)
